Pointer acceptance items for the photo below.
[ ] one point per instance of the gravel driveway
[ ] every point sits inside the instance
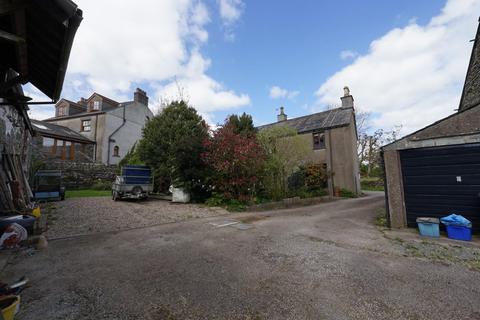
(326, 261)
(78, 216)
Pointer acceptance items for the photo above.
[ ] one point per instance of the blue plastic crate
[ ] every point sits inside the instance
(428, 229)
(459, 232)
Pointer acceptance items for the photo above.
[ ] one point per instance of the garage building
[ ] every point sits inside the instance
(436, 171)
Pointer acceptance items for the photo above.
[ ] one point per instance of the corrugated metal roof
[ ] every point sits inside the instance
(318, 121)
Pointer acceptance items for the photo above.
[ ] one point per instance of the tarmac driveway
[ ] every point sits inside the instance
(321, 262)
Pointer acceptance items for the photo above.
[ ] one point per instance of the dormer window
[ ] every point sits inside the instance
(96, 105)
(61, 111)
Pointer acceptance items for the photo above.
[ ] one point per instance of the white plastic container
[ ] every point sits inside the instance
(179, 195)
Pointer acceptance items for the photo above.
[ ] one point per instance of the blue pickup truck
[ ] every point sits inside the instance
(135, 182)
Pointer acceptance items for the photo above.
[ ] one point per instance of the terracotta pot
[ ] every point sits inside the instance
(336, 192)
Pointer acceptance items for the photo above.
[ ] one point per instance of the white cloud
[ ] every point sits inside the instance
(121, 44)
(276, 93)
(412, 75)
(201, 91)
(348, 54)
(230, 12)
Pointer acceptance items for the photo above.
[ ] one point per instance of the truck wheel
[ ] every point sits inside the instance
(137, 190)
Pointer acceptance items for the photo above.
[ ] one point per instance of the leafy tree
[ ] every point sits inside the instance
(131, 157)
(242, 124)
(236, 160)
(172, 143)
(285, 151)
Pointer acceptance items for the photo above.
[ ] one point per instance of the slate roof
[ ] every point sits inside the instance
(105, 109)
(329, 119)
(60, 132)
(471, 88)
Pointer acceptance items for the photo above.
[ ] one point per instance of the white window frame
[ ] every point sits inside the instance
(86, 125)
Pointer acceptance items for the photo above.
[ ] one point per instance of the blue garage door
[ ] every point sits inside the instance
(442, 180)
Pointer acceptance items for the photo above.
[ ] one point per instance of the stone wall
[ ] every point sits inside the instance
(77, 175)
(15, 140)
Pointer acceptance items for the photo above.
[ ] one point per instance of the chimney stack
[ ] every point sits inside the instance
(347, 99)
(140, 96)
(282, 116)
(82, 101)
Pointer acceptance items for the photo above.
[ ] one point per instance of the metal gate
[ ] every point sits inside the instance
(442, 180)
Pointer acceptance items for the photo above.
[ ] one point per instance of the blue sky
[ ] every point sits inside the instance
(404, 61)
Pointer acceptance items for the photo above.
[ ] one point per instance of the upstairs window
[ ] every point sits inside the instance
(61, 111)
(86, 125)
(96, 105)
(318, 141)
(116, 151)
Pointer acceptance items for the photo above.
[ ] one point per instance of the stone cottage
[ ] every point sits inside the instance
(332, 135)
(435, 171)
(113, 126)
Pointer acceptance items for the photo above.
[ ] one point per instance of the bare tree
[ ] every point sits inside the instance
(369, 143)
(362, 122)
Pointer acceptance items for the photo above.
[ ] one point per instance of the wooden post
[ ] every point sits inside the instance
(72, 151)
(64, 150)
(54, 147)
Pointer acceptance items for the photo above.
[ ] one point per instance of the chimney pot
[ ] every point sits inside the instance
(347, 99)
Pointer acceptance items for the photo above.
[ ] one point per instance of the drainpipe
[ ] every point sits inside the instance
(330, 147)
(110, 136)
(95, 139)
(332, 173)
(387, 211)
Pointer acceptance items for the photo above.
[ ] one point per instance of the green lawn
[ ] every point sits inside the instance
(87, 193)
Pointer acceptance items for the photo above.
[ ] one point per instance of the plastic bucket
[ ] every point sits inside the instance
(459, 232)
(429, 227)
(9, 306)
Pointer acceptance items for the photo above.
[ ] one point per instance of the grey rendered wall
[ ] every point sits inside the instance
(315, 156)
(342, 147)
(127, 134)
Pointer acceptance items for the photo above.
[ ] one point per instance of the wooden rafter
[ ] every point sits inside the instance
(7, 6)
(20, 28)
(4, 35)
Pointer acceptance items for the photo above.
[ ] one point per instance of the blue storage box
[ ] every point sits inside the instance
(429, 227)
(459, 232)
